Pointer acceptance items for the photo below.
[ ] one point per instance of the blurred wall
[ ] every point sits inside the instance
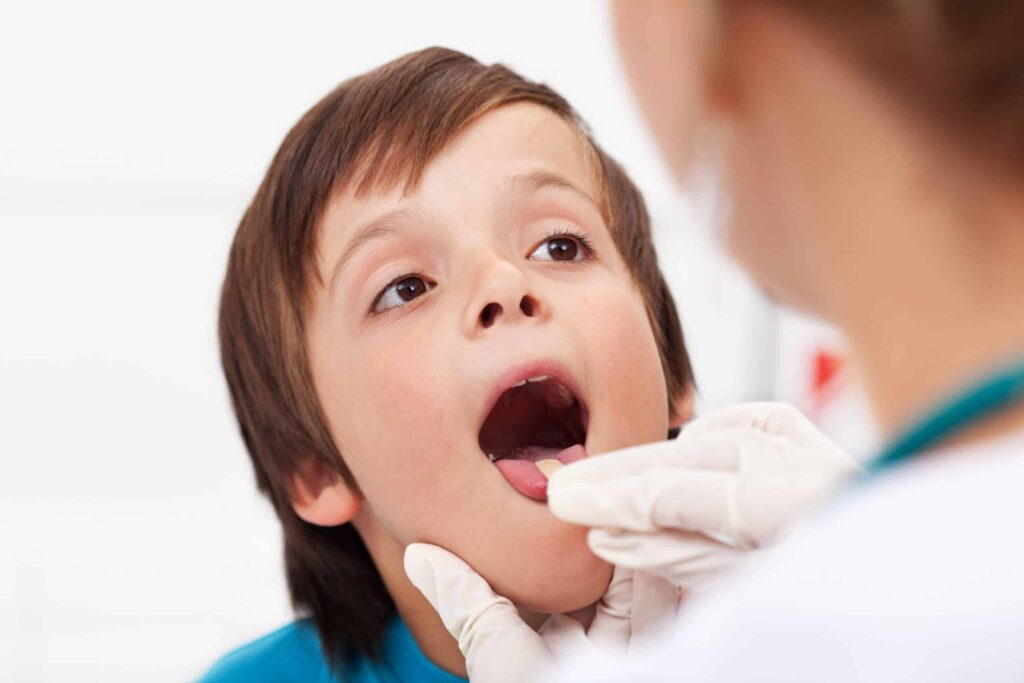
(132, 543)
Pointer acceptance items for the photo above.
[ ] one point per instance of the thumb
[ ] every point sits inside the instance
(497, 643)
(634, 611)
(655, 603)
(686, 560)
(610, 628)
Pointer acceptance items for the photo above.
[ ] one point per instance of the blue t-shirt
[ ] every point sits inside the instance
(292, 654)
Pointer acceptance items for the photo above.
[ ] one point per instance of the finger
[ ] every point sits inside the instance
(653, 499)
(564, 637)
(610, 629)
(771, 417)
(775, 419)
(655, 605)
(487, 626)
(768, 417)
(700, 451)
(685, 560)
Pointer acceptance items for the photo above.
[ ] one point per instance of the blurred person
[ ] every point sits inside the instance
(874, 158)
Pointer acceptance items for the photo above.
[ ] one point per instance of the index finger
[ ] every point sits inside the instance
(696, 451)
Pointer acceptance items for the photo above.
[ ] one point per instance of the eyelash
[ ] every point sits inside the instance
(588, 246)
(393, 282)
(589, 252)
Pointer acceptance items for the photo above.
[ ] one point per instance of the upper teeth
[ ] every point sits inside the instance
(538, 378)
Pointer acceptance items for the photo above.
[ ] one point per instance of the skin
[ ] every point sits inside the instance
(848, 203)
(404, 390)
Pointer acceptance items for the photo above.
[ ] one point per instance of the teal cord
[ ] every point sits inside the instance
(991, 394)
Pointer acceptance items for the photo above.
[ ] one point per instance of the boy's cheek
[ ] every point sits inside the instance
(625, 364)
(411, 457)
(526, 554)
(391, 410)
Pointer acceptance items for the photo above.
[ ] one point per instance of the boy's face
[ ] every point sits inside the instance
(497, 268)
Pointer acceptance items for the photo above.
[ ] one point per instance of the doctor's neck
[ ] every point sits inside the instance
(944, 304)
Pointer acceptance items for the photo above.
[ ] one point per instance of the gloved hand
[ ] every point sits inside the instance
(500, 647)
(685, 509)
(682, 510)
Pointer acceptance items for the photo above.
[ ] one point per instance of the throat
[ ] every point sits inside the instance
(423, 622)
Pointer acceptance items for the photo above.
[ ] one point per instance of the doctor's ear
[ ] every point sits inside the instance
(320, 496)
(682, 410)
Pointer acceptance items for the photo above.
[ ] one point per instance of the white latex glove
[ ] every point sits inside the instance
(498, 644)
(685, 509)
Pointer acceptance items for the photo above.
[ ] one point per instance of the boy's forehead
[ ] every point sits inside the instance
(514, 145)
(514, 139)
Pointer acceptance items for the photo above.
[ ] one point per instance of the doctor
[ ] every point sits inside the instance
(874, 155)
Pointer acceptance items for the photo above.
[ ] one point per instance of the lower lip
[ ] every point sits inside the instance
(527, 479)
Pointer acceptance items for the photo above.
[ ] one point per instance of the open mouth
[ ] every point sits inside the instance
(538, 420)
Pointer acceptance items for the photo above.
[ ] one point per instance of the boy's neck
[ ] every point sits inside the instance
(422, 621)
(419, 616)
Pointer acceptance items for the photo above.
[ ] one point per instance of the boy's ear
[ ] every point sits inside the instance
(319, 496)
(682, 406)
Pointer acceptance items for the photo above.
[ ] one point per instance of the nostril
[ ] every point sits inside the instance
(489, 314)
(526, 305)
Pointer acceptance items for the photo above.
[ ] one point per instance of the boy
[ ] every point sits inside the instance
(441, 282)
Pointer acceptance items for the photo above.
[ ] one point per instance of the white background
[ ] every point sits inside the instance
(132, 543)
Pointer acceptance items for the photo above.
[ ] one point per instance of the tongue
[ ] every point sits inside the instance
(523, 474)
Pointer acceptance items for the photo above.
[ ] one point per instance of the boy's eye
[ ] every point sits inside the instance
(401, 292)
(561, 248)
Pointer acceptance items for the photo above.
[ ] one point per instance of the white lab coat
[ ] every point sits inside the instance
(917, 575)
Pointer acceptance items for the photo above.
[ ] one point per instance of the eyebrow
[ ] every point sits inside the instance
(381, 227)
(540, 180)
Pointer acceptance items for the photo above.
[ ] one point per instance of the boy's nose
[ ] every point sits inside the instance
(502, 294)
(493, 310)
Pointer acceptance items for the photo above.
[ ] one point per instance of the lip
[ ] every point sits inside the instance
(523, 371)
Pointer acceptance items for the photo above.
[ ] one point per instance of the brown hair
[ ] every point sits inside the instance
(958, 62)
(373, 131)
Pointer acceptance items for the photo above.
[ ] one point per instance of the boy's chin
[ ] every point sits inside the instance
(560, 591)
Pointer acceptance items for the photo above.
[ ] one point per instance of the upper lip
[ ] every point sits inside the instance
(531, 370)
